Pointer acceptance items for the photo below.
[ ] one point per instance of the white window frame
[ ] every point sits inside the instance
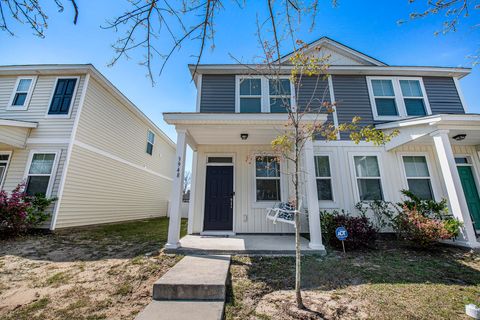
(2, 179)
(265, 96)
(354, 177)
(266, 203)
(10, 105)
(429, 167)
(333, 180)
(52, 175)
(399, 98)
(148, 142)
(72, 103)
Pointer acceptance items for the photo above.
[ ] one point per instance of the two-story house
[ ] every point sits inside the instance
(436, 154)
(67, 132)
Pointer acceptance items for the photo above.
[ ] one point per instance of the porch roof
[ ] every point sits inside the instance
(419, 129)
(225, 128)
(15, 132)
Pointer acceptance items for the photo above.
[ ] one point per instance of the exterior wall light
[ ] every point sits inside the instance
(244, 136)
(459, 137)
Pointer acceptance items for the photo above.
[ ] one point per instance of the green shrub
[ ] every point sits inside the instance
(19, 212)
(361, 232)
(424, 231)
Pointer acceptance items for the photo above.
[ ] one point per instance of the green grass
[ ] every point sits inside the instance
(29, 311)
(57, 279)
(391, 283)
(140, 236)
(148, 230)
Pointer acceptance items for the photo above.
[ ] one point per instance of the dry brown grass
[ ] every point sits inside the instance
(393, 282)
(96, 273)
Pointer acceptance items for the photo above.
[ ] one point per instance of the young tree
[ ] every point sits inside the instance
(306, 121)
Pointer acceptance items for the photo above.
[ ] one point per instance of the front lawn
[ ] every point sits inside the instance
(102, 272)
(394, 282)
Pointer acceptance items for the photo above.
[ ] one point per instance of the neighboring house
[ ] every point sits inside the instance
(436, 153)
(67, 132)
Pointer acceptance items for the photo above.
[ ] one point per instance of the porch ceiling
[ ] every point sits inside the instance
(418, 130)
(15, 133)
(219, 128)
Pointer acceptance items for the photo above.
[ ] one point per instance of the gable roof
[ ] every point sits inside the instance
(339, 49)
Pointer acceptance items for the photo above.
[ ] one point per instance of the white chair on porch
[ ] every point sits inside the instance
(283, 212)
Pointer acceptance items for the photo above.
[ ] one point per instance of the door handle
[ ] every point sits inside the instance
(231, 203)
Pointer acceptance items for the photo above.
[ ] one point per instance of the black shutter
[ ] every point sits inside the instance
(62, 97)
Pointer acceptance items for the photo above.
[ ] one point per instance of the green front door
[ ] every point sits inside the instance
(471, 193)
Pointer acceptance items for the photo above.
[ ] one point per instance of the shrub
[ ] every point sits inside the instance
(424, 231)
(383, 212)
(20, 212)
(361, 232)
(428, 208)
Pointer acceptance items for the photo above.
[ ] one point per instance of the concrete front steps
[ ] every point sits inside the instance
(195, 288)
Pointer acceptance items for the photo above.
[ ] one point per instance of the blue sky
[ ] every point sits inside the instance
(371, 29)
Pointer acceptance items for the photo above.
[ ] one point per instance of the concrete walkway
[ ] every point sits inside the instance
(195, 288)
(242, 244)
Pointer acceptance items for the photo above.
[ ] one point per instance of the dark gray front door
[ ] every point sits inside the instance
(218, 198)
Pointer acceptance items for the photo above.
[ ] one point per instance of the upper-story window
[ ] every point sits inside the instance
(22, 93)
(397, 97)
(250, 95)
(261, 94)
(150, 142)
(280, 93)
(63, 97)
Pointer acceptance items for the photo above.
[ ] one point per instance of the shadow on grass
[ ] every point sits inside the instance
(114, 241)
(393, 265)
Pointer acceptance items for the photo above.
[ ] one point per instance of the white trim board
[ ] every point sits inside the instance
(116, 158)
(69, 151)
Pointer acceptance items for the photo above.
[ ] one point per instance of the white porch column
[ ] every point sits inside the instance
(312, 199)
(456, 197)
(177, 189)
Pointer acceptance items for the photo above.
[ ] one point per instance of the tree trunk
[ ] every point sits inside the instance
(298, 253)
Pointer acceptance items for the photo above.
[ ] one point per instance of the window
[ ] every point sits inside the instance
(324, 178)
(250, 95)
(260, 94)
(396, 97)
(368, 178)
(22, 93)
(3, 166)
(150, 142)
(63, 96)
(413, 97)
(384, 98)
(280, 95)
(267, 178)
(219, 160)
(40, 172)
(418, 176)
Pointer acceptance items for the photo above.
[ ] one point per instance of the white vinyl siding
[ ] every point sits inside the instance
(110, 176)
(48, 128)
(248, 217)
(19, 160)
(99, 189)
(107, 124)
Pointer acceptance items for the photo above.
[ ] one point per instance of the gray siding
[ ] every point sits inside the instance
(351, 95)
(218, 93)
(442, 95)
(312, 92)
